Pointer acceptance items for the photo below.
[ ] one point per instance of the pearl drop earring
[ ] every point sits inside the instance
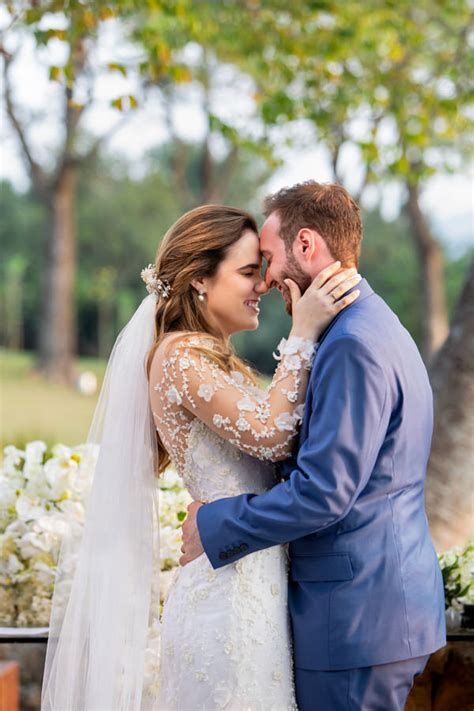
(201, 296)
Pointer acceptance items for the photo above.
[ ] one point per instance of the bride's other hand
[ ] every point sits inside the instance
(323, 299)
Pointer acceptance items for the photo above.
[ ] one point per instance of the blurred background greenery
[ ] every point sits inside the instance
(120, 115)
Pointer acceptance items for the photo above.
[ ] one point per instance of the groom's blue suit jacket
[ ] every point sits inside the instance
(365, 586)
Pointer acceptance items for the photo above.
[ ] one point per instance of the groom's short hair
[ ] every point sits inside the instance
(325, 207)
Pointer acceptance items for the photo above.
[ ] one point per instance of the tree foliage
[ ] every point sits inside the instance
(120, 224)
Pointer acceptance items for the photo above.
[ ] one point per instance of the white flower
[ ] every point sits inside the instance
(60, 451)
(44, 573)
(450, 557)
(173, 396)
(12, 452)
(200, 341)
(39, 504)
(170, 479)
(218, 420)
(33, 543)
(148, 274)
(246, 404)
(54, 525)
(170, 546)
(74, 511)
(184, 363)
(37, 486)
(13, 565)
(237, 377)
(242, 424)
(293, 362)
(34, 452)
(7, 494)
(296, 345)
(58, 475)
(260, 395)
(16, 529)
(285, 422)
(29, 509)
(206, 392)
(457, 565)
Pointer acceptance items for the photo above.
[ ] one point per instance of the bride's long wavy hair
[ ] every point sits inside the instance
(193, 248)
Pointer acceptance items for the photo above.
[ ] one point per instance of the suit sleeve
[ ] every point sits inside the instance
(348, 423)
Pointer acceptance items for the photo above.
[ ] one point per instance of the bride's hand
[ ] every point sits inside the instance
(314, 310)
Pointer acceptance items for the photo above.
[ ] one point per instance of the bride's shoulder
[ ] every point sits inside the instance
(177, 342)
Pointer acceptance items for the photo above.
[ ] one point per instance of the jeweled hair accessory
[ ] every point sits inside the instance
(155, 285)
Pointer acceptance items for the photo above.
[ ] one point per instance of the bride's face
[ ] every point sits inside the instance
(232, 295)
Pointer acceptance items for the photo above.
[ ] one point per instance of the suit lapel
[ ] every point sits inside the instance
(287, 467)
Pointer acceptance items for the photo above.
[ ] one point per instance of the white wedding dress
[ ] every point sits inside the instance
(225, 637)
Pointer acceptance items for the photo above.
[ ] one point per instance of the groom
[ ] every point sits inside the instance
(365, 592)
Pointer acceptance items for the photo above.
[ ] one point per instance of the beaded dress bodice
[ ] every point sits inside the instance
(225, 639)
(221, 431)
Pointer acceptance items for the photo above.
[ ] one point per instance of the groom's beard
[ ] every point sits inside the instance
(292, 270)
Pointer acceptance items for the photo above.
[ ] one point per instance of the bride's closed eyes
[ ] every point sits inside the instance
(250, 269)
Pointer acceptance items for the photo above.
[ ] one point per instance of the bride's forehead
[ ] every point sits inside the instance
(248, 246)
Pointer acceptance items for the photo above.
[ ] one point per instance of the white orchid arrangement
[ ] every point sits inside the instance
(41, 494)
(457, 567)
(174, 500)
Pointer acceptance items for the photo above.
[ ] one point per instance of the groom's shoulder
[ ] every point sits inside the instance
(369, 317)
(369, 322)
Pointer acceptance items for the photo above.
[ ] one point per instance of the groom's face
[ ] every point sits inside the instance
(281, 262)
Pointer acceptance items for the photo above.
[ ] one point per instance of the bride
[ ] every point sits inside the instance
(175, 391)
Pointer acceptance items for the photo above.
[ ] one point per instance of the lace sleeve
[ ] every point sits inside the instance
(261, 422)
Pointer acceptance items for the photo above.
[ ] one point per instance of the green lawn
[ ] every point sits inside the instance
(31, 409)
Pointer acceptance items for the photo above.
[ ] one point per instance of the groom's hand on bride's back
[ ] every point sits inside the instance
(192, 546)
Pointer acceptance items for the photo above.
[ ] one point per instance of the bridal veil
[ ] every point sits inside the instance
(107, 569)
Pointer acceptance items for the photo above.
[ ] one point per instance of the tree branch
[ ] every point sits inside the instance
(72, 111)
(93, 151)
(334, 151)
(38, 176)
(178, 160)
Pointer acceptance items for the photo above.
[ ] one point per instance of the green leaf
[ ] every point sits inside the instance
(55, 74)
(115, 67)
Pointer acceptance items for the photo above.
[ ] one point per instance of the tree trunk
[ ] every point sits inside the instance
(105, 327)
(450, 480)
(15, 268)
(57, 324)
(434, 317)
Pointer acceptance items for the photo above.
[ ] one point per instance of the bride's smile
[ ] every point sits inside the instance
(253, 305)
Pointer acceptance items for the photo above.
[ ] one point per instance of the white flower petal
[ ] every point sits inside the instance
(206, 391)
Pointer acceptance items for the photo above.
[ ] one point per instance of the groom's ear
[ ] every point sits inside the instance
(306, 244)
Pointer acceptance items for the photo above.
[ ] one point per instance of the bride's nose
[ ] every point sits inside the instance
(261, 287)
